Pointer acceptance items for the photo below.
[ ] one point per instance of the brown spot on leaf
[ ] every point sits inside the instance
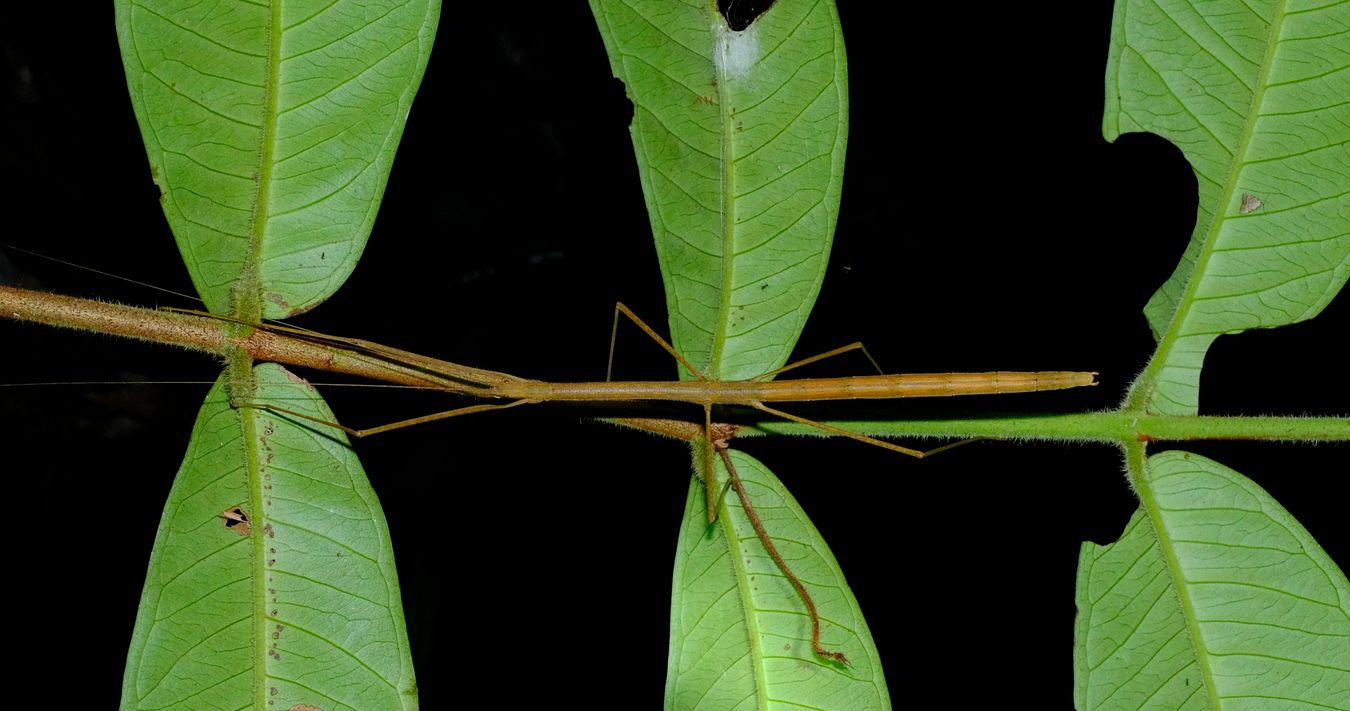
(236, 520)
(1250, 204)
(305, 707)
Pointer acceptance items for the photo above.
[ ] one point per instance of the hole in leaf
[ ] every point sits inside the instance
(236, 520)
(739, 14)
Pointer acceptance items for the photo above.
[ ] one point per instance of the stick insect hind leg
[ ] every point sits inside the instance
(400, 424)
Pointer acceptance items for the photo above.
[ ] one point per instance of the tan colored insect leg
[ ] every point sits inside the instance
(857, 346)
(619, 308)
(392, 425)
(764, 540)
(916, 453)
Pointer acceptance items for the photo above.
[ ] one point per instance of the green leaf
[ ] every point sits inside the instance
(303, 607)
(740, 637)
(270, 129)
(1254, 95)
(740, 146)
(1215, 597)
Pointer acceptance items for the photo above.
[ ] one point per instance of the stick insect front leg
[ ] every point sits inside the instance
(709, 481)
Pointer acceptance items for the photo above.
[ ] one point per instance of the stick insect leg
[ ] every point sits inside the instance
(619, 308)
(856, 346)
(916, 453)
(392, 425)
(735, 480)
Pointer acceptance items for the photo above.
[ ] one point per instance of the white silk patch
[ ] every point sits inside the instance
(736, 52)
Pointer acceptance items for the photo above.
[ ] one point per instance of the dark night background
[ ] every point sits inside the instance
(985, 225)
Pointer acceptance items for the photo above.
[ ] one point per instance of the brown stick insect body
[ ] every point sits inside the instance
(707, 393)
(298, 346)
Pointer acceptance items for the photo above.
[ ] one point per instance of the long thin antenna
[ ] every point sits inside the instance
(100, 272)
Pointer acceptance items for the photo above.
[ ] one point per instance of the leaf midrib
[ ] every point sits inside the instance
(247, 303)
(1141, 472)
(728, 200)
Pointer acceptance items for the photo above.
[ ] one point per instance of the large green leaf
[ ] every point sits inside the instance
(739, 636)
(740, 139)
(270, 129)
(300, 608)
(1215, 597)
(740, 146)
(1254, 94)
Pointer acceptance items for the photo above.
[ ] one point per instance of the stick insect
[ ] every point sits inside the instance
(297, 346)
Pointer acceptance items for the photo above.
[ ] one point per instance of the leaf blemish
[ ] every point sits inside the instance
(736, 52)
(236, 520)
(1250, 204)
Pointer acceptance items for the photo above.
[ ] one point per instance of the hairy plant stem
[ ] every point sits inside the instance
(1105, 427)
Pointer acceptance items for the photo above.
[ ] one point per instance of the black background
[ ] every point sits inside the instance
(985, 225)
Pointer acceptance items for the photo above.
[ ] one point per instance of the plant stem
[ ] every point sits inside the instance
(1119, 426)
